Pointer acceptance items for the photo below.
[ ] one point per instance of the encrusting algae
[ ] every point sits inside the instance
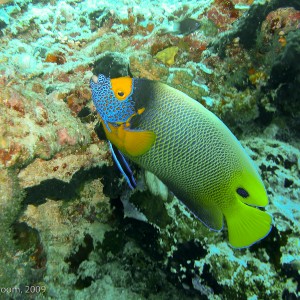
(167, 56)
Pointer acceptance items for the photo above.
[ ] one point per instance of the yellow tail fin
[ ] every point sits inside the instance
(247, 225)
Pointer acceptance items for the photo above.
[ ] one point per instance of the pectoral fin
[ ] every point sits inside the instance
(138, 142)
(130, 142)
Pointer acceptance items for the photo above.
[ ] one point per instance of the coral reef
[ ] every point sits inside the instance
(68, 222)
(247, 27)
(10, 259)
(223, 14)
(284, 78)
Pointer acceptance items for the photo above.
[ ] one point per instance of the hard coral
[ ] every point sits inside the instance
(13, 100)
(144, 66)
(64, 138)
(159, 46)
(223, 14)
(77, 99)
(258, 78)
(10, 154)
(281, 20)
(57, 58)
(193, 46)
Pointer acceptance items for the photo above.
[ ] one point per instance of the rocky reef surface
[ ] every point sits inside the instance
(70, 228)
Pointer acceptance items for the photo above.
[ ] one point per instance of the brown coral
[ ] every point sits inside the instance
(57, 58)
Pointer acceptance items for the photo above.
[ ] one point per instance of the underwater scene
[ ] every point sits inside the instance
(150, 149)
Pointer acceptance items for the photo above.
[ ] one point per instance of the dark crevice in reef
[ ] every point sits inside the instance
(56, 189)
(152, 206)
(2, 26)
(144, 234)
(248, 26)
(282, 89)
(272, 244)
(112, 65)
(189, 251)
(285, 80)
(291, 271)
(100, 131)
(265, 117)
(77, 258)
(111, 182)
(179, 267)
(28, 240)
(210, 281)
(112, 248)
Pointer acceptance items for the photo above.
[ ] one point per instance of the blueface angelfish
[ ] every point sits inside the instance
(189, 148)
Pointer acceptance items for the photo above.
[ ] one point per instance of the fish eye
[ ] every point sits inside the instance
(120, 93)
(242, 192)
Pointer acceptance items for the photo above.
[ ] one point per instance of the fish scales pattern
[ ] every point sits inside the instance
(183, 147)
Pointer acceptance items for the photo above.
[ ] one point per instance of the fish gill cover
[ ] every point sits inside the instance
(70, 227)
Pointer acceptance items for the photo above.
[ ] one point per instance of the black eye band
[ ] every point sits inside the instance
(242, 192)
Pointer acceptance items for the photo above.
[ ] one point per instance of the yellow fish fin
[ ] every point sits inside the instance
(130, 142)
(138, 142)
(246, 225)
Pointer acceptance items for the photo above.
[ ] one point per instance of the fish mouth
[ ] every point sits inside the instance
(94, 79)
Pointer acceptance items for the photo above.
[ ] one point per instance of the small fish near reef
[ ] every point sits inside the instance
(188, 148)
(185, 27)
